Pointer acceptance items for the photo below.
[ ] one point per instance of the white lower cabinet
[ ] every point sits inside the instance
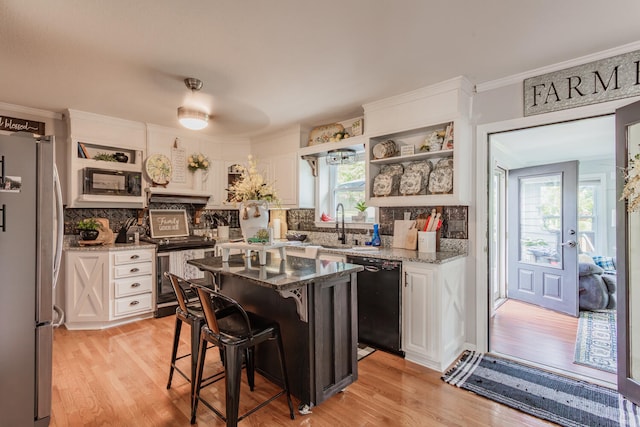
(131, 281)
(433, 313)
(86, 288)
(104, 288)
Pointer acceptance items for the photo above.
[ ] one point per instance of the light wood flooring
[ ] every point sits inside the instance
(542, 336)
(117, 377)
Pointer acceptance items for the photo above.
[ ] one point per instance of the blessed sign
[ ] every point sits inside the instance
(168, 223)
(13, 124)
(599, 81)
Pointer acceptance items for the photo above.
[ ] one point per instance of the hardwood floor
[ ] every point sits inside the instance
(541, 336)
(117, 377)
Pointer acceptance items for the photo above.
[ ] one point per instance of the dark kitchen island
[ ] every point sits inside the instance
(315, 303)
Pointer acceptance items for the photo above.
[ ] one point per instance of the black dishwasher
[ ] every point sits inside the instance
(379, 303)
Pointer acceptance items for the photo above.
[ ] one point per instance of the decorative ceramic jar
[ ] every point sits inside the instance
(254, 216)
(198, 179)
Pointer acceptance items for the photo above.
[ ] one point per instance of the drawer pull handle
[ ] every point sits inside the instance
(135, 285)
(134, 270)
(135, 256)
(135, 302)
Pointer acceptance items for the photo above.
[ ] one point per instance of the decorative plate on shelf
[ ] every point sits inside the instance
(158, 167)
(322, 134)
(385, 149)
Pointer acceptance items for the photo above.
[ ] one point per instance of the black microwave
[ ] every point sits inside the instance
(112, 182)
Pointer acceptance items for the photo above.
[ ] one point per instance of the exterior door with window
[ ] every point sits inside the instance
(542, 236)
(628, 258)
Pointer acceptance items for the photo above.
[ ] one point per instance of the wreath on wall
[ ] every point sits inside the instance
(631, 190)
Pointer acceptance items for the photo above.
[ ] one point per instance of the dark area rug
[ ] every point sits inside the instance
(596, 344)
(545, 395)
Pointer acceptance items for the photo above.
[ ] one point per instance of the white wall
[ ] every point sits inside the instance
(498, 106)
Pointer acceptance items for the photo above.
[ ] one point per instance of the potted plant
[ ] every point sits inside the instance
(361, 207)
(89, 229)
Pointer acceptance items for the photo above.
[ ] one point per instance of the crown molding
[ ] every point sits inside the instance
(31, 111)
(519, 78)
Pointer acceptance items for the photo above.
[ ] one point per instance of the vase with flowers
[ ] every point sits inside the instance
(253, 194)
(198, 164)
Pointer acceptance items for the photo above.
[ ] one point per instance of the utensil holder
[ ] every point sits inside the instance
(427, 241)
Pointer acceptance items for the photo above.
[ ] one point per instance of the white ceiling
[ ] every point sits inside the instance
(267, 64)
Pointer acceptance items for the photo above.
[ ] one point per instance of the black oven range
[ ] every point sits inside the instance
(172, 256)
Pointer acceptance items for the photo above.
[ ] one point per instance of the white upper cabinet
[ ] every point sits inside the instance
(409, 120)
(278, 159)
(93, 137)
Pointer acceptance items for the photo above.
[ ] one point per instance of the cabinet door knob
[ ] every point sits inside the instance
(135, 256)
(135, 302)
(134, 270)
(135, 285)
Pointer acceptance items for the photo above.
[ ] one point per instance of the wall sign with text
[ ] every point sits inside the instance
(599, 81)
(13, 124)
(168, 223)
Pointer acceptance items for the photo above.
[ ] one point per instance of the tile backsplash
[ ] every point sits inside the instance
(455, 220)
(118, 217)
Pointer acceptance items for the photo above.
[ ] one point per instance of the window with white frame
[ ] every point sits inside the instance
(343, 184)
(592, 231)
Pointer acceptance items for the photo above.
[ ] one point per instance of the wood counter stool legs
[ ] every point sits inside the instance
(234, 330)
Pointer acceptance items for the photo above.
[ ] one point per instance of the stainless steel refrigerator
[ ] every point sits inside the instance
(29, 251)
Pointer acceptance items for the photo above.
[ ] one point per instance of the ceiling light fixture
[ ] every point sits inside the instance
(192, 118)
(341, 156)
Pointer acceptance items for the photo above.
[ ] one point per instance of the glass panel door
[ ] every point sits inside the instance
(628, 256)
(541, 220)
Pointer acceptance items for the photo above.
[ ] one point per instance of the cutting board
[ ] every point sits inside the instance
(411, 242)
(400, 230)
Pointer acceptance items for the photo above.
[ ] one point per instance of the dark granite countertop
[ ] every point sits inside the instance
(279, 274)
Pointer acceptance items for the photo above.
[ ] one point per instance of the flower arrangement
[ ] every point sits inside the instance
(251, 186)
(631, 190)
(197, 161)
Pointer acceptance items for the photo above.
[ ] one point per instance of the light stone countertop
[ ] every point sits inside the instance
(389, 253)
(70, 245)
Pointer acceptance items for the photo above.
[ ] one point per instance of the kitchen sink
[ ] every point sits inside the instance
(337, 246)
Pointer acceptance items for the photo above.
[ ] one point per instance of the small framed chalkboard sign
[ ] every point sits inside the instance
(168, 223)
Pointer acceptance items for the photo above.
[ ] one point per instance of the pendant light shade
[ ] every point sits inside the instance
(341, 156)
(192, 118)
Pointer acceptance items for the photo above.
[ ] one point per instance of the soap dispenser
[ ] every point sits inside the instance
(375, 240)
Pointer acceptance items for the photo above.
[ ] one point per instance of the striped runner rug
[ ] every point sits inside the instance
(545, 395)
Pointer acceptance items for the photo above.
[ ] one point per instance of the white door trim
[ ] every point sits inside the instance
(482, 200)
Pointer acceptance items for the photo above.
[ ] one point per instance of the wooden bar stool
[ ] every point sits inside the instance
(191, 314)
(235, 331)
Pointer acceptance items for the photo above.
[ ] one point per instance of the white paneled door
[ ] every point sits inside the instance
(542, 236)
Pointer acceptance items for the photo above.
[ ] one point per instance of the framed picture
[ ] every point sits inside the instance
(407, 150)
(168, 223)
(357, 127)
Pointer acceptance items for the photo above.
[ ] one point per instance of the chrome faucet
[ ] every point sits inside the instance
(342, 237)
